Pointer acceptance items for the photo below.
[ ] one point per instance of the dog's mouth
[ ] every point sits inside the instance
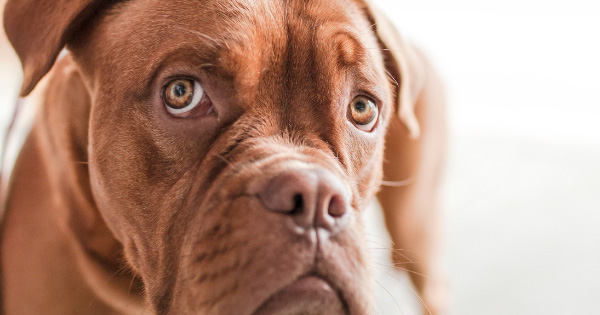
(250, 257)
(309, 294)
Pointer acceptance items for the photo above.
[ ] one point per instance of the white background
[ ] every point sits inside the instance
(521, 197)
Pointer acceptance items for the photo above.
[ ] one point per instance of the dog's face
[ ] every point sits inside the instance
(233, 146)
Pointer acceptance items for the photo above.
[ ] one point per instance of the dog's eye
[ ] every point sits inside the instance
(182, 95)
(364, 113)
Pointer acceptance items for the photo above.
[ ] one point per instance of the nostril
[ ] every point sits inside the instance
(337, 206)
(307, 197)
(298, 204)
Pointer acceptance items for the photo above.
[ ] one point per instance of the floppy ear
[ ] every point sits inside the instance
(403, 64)
(38, 31)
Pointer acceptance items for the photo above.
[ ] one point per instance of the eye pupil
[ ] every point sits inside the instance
(179, 90)
(360, 106)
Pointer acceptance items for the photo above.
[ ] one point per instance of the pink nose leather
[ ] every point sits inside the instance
(311, 197)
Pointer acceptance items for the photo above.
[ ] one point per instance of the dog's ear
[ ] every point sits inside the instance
(403, 65)
(38, 31)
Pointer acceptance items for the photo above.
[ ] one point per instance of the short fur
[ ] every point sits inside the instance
(115, 207)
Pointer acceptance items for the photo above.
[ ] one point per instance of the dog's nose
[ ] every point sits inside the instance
(311, 197)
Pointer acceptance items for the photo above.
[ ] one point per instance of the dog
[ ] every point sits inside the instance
(215, 157)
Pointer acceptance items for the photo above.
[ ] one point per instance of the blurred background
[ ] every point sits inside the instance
(521, 195)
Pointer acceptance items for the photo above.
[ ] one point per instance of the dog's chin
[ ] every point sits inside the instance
(307, 295)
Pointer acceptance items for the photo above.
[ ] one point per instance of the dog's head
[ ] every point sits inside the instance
(232, 145)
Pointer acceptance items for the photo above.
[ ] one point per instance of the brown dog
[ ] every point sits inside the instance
(214, 157)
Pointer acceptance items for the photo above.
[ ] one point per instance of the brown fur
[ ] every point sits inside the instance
(136, 210)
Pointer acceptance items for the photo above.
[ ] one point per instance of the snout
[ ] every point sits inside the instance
(312, 202)
(307, 197)
(284, 239)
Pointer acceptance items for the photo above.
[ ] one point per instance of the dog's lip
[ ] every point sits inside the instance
(310, 293)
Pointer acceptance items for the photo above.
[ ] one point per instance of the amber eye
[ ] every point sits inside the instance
(182, 95)
(364, 113)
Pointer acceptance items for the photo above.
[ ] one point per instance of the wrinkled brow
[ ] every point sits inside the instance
(199, 50)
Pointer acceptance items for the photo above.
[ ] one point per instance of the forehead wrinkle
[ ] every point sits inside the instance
(341, 42)
(190, 52)
(347, 46)
(254, 35)
(345, 30)
(357, 49)
(350, 52)
(244, 65)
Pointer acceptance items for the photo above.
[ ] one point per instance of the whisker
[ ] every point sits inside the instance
(215, 42)
(381, 238)
(411, 289)
(403, 269)
(406, 263)
(392, 296)
(130, 285)
(396, 251)
(371, 30)
(224, 159)
(392, 77)
(240, 166)
(94, 298)
(376, 243)
(400, 183)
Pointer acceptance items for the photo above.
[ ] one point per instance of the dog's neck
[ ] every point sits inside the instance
(56, 150)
